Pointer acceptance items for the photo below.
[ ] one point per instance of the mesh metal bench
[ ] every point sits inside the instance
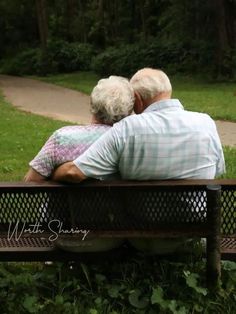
(121, 209)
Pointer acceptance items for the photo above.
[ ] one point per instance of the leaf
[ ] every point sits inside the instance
(198, 308)
(228, 265)
(114, 291)
(100, 278)
(86, 273)
(98, 301)
(191, 281)
(136, 301)
(30, 303)
(59, 299)
(173, 306)
(157, 297)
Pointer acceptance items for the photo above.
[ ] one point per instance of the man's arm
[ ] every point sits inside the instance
(68, 172)
(34, 176)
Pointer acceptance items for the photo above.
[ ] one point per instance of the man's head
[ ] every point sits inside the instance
(150, 85)
(112, 99)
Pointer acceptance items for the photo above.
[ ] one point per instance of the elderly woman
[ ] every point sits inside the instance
(111, 100)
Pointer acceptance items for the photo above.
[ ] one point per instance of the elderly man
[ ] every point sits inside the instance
(163, 141)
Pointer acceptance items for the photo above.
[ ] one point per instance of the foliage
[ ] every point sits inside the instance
(137, 285)
(60, 56)
(185, 36)
(70, 57)
(24, 63)
(175, 57)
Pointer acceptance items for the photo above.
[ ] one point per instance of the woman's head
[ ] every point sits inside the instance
(112, 99)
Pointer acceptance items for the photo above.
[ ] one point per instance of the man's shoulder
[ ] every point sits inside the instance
(201, 117)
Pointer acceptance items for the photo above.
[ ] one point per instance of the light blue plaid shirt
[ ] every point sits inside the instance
(164, 142)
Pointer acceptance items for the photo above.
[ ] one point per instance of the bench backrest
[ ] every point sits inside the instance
(119, 205)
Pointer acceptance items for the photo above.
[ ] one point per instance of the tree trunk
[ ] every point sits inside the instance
(222, 43)
(42, 23)
(71, 12)
(101, 19)
(230, 10)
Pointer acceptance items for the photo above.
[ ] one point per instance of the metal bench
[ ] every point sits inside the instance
(31, 215)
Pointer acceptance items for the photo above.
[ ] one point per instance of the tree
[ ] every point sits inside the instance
(42, 22)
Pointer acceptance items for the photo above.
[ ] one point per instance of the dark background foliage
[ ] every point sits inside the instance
(118, 37)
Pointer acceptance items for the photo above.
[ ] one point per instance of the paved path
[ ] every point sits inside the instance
(46, 99)
(69, 105)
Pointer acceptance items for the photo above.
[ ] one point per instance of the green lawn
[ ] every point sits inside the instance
(216, 99)
(22, 135)
(81, 81)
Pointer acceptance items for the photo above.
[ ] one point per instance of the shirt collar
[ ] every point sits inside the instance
(164, 104)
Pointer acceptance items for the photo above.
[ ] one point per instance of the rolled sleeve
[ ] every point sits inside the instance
(44, 161)
(220, 163)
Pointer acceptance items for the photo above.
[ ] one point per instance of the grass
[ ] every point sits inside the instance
(22, 134)
(81, 81)
(216, 99)
(18, 147)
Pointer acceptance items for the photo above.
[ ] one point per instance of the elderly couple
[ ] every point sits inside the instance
(160, 141)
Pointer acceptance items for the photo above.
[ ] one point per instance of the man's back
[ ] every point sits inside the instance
(163, 142)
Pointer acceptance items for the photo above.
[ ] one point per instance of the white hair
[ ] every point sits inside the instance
(112, 99)
(150, 82)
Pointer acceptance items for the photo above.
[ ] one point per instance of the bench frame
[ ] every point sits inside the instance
(210, 230)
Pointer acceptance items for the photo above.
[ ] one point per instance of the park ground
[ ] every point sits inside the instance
(136, 285)
(66, 104)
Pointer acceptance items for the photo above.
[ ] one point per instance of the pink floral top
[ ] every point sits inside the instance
(64, 145)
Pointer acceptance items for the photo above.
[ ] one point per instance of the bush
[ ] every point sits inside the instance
(171, 57)
(123, 60)
(24, 63)
(127, 59)
(71, 56)
(60, 56)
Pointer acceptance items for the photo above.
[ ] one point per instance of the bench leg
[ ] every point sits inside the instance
(213, 240)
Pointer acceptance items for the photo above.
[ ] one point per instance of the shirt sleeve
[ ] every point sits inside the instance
(44, 162)
(220, 164)
(101, 159)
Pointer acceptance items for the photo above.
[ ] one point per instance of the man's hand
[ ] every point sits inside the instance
(68, 172)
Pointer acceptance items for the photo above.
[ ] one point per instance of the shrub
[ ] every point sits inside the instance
(71, 56)
(171, 57)
(127, 59)
(60, 56)
(24, 63)
(123, 60)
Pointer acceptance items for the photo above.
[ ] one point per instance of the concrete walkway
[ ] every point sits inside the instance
(68, 105)
(46, 99)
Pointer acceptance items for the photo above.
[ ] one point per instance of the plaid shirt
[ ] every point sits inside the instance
(64, 145)
(164, 142)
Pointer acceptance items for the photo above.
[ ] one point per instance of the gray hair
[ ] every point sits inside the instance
(112, 99)
(150, 82)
